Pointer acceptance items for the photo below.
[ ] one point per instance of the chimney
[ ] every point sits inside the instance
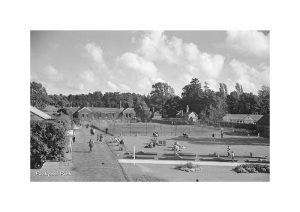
(187, 108)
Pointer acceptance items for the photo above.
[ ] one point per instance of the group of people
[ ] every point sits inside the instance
(178, 147)
(153, 141)
(221, 133)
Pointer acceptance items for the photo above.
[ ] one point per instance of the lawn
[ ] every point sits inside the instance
(161, 173)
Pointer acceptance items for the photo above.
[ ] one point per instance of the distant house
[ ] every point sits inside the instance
(242, 118)
(157, 116)
(263, 126)
(129, 113)
(190, 117)
(187, 116)
(84, 114)
(36, 114)
(88, 113)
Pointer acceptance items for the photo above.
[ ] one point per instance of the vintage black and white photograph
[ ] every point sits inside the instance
(150, 106)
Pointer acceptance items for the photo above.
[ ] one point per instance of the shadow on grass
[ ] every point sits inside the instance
(225, 141)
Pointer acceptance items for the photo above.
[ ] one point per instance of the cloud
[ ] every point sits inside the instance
(250, 42)
(249, 77)
(124, 87)
(156, 46)
(112, 86)
(96, 54)
(52, 74)
(88, 76)
(135, 63)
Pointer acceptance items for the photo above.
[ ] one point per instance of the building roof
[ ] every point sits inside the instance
(188, 113)
(84, 108)
(105, 110)
(129, 110)
(39, 113)
(235, 116)
(255, 117)
(72, 109)
(50, 108)
(156, 113)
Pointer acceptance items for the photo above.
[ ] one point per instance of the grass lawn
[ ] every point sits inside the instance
(240, 145)
(161, 173)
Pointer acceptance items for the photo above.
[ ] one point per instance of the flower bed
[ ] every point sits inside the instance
(188, 167)
(252, 168)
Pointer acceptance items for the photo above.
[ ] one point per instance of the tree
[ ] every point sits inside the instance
(264, 99)
(142, 110)
(172, 106)
(239, 89)
(192, 95)
(38, 95)
(160, 93)
(47, 141)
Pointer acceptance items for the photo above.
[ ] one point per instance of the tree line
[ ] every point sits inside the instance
(208, 104)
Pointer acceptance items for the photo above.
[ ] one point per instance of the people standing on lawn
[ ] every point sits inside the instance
(222, 133)
(122, 145)
(213, 136)
(91, 145)
(106, 130)
(228, 151)
(101, 137)
(232, 155)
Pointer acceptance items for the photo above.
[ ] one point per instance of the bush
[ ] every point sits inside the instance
(252, 168)
(47, 142)
(188, 167)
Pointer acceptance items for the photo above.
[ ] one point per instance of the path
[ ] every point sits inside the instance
(98, 165)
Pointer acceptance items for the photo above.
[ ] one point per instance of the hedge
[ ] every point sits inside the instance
(47, 142)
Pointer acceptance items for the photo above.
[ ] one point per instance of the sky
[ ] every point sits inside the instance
(76, 62)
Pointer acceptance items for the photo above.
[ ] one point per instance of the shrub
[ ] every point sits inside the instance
(47, 141)
(252, 168)
(188, 167)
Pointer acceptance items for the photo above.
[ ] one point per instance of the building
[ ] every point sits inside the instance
(89, 113)
(242, 118)
(263, 126)
(129, 113)
(157, 116)
(190, 117)
(38, 115)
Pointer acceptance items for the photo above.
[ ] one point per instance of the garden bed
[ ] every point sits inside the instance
(252, 168)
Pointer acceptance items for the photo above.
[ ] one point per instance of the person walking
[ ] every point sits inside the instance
(213, 136)
(106, 130)
(91, 145)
